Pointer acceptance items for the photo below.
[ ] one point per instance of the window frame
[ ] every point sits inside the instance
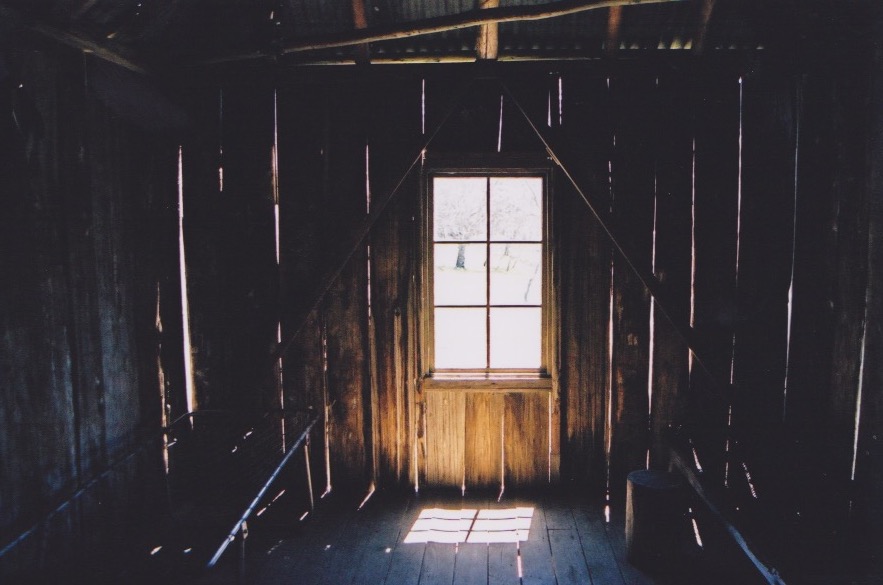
(487, 379)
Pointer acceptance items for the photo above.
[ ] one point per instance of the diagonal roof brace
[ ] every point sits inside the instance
(648, 279)
(362, 232)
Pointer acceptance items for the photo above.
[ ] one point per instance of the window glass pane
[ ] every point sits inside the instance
(516, 274)
(459, 208)
(515, 337)
(460, 277)
(460, 338)
(516, 208)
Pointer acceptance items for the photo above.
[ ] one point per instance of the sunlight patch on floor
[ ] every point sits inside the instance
(471, 525)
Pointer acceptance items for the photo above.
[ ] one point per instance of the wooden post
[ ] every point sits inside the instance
(309, 473)
(487, 43)
(655, 518)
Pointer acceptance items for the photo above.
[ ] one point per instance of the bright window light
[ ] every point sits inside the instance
(487, 249)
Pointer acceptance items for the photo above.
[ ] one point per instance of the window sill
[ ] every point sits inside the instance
(480, 382)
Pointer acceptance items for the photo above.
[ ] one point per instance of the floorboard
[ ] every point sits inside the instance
(536, 555)
(502, 564)
(438, 564)
(405, 564)
(568, 558)
(472, 564)
(603, 565)
(386, 519)
(615, 532)
(567, 543)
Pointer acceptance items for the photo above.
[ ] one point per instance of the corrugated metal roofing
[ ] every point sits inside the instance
(199, 30)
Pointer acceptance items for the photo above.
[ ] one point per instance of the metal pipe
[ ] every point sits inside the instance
(92, 483)
(231, 536)
(680, 462)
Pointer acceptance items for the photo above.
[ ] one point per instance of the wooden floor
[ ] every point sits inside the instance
(566, 543)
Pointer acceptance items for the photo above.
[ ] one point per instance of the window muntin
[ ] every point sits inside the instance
(488, 273)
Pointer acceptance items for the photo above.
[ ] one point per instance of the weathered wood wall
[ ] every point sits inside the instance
(91, 319)
(869, 453)
(693, 166)
(748, 188)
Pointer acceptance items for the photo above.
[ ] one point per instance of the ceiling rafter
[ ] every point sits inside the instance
(702, 26)
(87, 46)
(488, 42)
(614, 22)
(360, 22)
(74, 39)
(439, 24)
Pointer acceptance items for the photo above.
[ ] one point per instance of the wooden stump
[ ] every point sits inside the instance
(655, 518)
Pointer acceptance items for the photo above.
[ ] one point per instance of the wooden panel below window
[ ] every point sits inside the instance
(526, 439)
(482, 439)
(483, 432)
(445, 440)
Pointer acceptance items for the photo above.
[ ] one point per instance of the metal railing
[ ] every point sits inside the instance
(240, 527)
(220, 469)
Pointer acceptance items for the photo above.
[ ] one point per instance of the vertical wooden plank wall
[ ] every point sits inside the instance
(205, 224)
(465, 111)
(765, 259)
(673, 255)
(228, 204)
(347, 302)
(445, 439)
(830, 283)
(527, 441)
(584, 256)
(89, 271)
(850, 188)
(394, 140)
(660, 117)
(300, 144)
(323, 191)
(868, 513)
(42, 464)
(248, 248)
(131, 167)
(633, 188)
(484, 430)
(812, 334)
(716, 184)
(869, 461)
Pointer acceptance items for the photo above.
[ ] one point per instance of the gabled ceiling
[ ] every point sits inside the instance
(160, 33)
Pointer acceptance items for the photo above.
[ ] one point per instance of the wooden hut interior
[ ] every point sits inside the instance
(441, 291)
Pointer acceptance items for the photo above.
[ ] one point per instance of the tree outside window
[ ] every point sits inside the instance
(487, 249)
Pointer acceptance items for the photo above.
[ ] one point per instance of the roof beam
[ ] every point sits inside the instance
(360, 22)
(614, 18)
(458, 21)
(442, 24)
(702, 26)
(87, 46)
(487, 44)
(71, 39)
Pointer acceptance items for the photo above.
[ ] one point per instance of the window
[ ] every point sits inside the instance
(487, 298)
